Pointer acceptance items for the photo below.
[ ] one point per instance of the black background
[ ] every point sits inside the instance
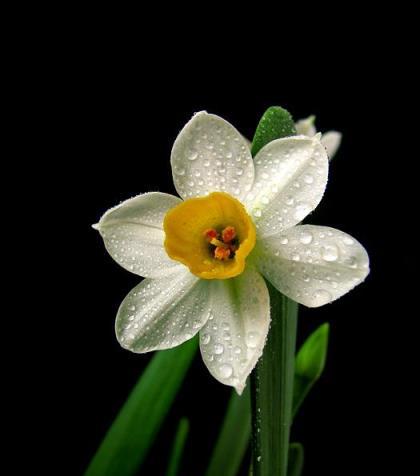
(113, 107)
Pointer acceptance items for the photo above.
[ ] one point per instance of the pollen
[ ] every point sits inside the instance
(211, 235)
(221, 253)
(228, 234)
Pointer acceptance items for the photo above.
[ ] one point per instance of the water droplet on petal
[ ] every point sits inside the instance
(218, 349)
(329, 253)
(193, 155)
(308, 179)
(252, 339)
(226, 370)
(321, 297)
(306, 237)
(348, 241)
(179, 170)
(301, 211)
(205, 339)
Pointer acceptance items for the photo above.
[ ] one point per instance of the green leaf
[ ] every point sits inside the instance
(296, 459)
(310, 363)
(275, 123)
(272, 389)
(135, 428)
(233, 438)
(178, 447)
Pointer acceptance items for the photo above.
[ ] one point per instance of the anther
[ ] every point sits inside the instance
(221, 253)
(228, 234)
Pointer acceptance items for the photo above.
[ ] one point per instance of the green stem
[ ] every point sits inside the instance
(272, 390)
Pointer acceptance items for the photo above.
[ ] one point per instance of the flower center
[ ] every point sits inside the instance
(211, 235)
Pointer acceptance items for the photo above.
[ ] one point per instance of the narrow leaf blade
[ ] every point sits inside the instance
(178, 447)
(296, 459)
(275, 123)
(233, 438)
(309, 364)
(129, 438)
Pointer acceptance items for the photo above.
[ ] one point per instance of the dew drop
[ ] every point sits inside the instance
(321, 296)
(226, 370)
(257, 212)
(193, 155)
(308, 179)
(348, 241)
(351, 261)
(306, 237)
(329, 253)
(284, 240)
(252, 339)
(179, 170)
(301, 211)
(218, 349)
(205, 339)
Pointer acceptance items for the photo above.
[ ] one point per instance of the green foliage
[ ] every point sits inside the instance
(135, 428)
(275, 123)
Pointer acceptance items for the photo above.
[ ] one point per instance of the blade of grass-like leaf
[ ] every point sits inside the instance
(296, 459)
(128, 440)
(275, 123)
(272, 390)
(178, 447)
(272, 378)
(233, 438)
(309, 364)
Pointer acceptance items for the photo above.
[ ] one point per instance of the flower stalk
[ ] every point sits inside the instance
(272, 390)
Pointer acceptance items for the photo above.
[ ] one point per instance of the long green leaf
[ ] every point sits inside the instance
(275, 123)
(128, 440)
(233, 438)
(296, 459)
(310, 363)
(272, 390)
(272, 379)
(178, 447)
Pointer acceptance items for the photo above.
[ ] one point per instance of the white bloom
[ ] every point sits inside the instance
(204, 258)
(330, 140)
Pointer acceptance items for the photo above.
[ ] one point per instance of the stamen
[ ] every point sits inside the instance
(228, 234)
(221, 253)
(210, 233)
(218, 243)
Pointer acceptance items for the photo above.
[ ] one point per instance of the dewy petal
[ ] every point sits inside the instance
(233, 339)
(313, 265)
(331, 141)
(306, 127)
(210, 155)
(290, 179)
(133, 234)
(163, 313)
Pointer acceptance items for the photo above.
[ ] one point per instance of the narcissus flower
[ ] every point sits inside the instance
(331, 140)
(205, 256)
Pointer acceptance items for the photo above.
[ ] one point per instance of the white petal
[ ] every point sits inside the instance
(306, 127)
(290, 179)
(331, 141)
(162, 313)
(133, 234)
(233, 339)
(210, 155)
(313, 265)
